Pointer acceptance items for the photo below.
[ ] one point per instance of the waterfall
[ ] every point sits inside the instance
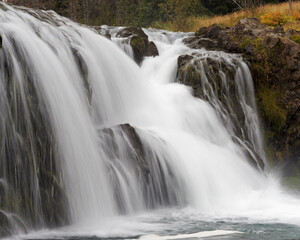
(87, 134)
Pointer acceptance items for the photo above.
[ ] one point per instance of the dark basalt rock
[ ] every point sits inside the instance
(11, 224)
(132, 31)
(139, 42)
(126, 152)
(0, 41)
(205, 75)
(152, 50)
(5, 228)
(29, 155)
(211, 31)
(275, 66)
(250, 28)
(132, 143)
(198, 43)
(101, 31)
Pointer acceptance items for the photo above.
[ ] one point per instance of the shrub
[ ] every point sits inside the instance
(296, 15)
(274, 19)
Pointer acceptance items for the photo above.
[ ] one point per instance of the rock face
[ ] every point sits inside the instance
(139, 43)
(131, 159)
(133, 144)
(11, 224)
(30, 180)
(275, 66)
(213, 78)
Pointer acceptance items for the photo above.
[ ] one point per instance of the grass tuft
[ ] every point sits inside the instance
(296, 38)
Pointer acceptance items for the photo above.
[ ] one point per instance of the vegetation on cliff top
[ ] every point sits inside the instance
(176, 15)
(268, 13)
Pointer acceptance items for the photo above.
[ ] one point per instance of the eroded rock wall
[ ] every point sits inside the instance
(275, 67)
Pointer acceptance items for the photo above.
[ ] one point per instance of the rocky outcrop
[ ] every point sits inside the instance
(30, 180)
(132, 159)
(102, 31)
(133, 145)
(139, 42)
(212, 78)
(275, 66)
(11, 224)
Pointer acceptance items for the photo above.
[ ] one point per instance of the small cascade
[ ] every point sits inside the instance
(225, 81)
(141, 173)
(29, 168)
(50, 127)
(11, 224)
(122, 42)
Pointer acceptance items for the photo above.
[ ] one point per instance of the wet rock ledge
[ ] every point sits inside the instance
(274, 59)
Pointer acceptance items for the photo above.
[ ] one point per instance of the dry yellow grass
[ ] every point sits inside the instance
(233, 18)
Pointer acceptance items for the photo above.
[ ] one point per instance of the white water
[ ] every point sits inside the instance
(214, 176)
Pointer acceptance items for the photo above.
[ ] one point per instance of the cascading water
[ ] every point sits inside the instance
(69, 155)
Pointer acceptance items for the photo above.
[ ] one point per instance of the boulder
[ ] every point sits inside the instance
(198, 43)
(152, 50)
(102, 31)
(250, 28)
(132, 31)
(139, 42)
(211, 31)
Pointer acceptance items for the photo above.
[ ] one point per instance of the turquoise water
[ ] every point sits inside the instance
(248, 231)
(174, 223)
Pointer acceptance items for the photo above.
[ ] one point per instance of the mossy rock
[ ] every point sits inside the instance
(296, 38)
(292, 183)
(138, 45)
(5, 230)
(139, 42)
(270, 108)
(274, 56)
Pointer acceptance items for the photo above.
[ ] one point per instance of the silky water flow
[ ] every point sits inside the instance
(92, 141)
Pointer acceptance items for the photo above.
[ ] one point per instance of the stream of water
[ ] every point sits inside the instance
(66, 88)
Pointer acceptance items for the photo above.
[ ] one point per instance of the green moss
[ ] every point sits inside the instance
(138, 43)
(269, 151)
(271, 109)
(292, 182)
(222, 26)
(245, 43)
(256, 42)
(296, 38)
